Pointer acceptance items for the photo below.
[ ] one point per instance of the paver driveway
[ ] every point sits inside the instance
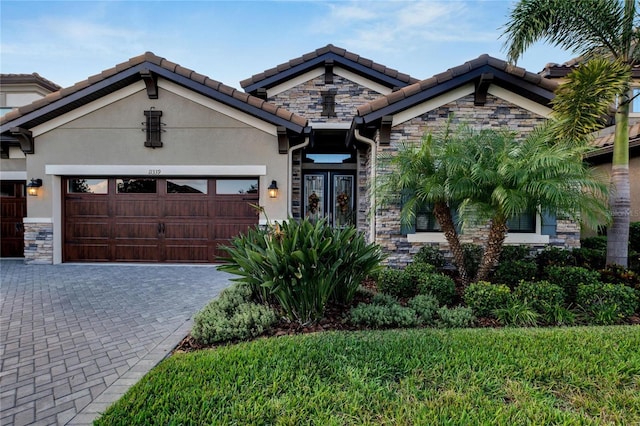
(73, 338)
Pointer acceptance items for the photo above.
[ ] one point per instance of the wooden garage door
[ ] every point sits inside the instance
(13, 207)
(153, 219)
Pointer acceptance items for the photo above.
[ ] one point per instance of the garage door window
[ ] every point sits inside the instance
(136, 186)
(186, 186)
(236, 186)
(88, 186)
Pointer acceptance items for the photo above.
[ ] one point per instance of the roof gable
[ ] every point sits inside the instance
(145, 67)
(482, 71)
(329, 55)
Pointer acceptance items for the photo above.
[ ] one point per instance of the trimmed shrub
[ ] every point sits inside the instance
(472, 257)
(569, 277)
(383, 299)
(590, 258)
(442, 287)
(414, 274)
(301, 265)
(430, 255)
(458, 317)
(512, 272)
(394, 282)
(383, 316)
(232, 317)
(607, 303)
(425, 306)
(542, 296)
(596, 243)
(616, 274)
(515, 253)
(484, 297)
(554, 256)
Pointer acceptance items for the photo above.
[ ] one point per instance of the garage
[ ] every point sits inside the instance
(13, 207)
(152, 219)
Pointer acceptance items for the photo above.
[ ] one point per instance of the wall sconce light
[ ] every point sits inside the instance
(32, 187)
(273, 189)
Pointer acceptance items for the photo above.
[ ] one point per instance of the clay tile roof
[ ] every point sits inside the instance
(33, 78)
(604, 138)
(457, 72)
(149, 57)
(307, 57)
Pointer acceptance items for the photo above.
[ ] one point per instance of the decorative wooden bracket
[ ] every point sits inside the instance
(151, 81)
(261, 93)
(25, 137)
(482, 86)
(385, 130)
(283, 140)
(328, 71)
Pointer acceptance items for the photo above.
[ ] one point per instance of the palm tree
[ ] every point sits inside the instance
(604, 29)
(505, 178)
(416, 175)
(492, 177)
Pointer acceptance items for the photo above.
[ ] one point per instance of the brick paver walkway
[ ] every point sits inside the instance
(73, 338)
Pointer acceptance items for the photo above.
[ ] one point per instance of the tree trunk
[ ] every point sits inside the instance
(442, 213)
(620, 197)
(497, 234)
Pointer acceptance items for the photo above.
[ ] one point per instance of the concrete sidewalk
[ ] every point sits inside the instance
(74, 338)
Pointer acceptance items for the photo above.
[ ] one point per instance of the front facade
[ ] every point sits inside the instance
(152, 162)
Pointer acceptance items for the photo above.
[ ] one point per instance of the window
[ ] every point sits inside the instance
(236, 186)
(426, 221)
(186, 186)
(136, 186)
(524, 223)
(635, 102)
(329, 103)
(88, 186)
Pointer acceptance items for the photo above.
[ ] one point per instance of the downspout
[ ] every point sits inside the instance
(372, 197)
(306, 142)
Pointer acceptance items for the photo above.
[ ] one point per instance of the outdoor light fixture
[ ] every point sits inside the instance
(32, 187)
(273, 189)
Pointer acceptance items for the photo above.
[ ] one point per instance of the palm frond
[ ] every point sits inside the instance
(584, 101)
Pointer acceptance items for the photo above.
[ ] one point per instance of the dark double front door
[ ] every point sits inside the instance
(155, 219)
(331, 195)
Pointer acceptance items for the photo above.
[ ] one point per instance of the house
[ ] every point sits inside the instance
(16, 90)
(152, 162)
(601, 157)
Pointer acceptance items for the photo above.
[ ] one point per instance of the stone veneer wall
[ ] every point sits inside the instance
(306, 100)
(496, 113)
(38, 243)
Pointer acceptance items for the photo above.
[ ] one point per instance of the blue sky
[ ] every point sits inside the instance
(229, 41)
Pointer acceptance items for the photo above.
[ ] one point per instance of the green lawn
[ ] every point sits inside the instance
(537, 376)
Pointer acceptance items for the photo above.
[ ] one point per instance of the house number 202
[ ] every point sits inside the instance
(155, 171)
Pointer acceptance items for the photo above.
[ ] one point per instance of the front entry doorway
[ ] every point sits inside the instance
(330, 194)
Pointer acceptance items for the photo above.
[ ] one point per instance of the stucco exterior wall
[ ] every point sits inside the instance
(193, 135)
(634, 180)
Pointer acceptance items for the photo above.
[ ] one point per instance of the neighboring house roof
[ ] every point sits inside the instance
(329, 54)
(553, 70)
(604, 140)
(34, 78)
(136, 69)
(483, 70)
